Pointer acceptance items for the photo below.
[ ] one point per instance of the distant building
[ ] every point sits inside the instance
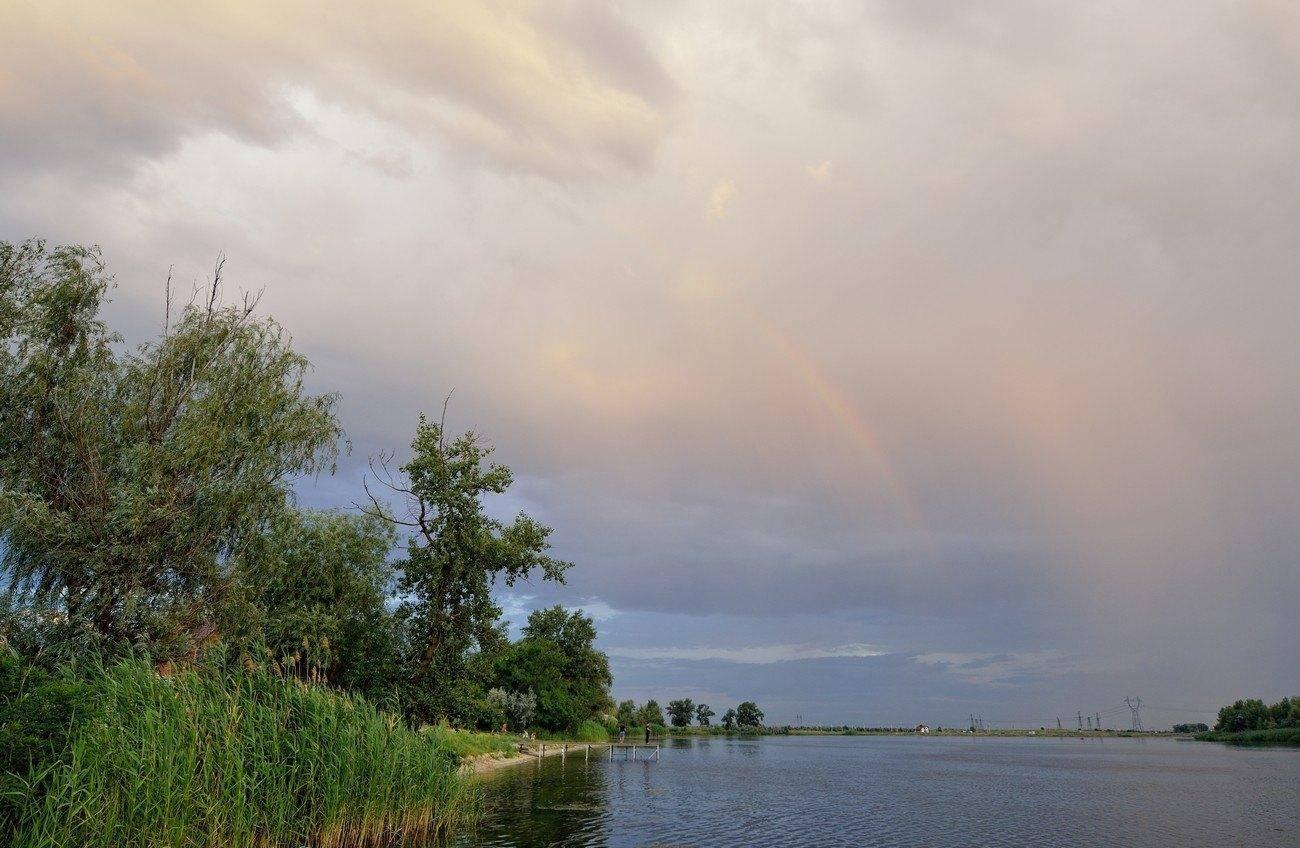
(923, 728)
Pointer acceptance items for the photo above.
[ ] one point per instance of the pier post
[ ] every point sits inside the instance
(586, 755)
(564, 752)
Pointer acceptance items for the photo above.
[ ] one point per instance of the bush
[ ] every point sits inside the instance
(591, 731)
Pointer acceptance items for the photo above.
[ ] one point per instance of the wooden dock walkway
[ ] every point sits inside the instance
(629, 749)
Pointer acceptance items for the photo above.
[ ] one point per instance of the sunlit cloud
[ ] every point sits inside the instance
(720, 198)
(819, 172)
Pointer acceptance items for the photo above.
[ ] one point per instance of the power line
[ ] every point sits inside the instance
(1137, 711)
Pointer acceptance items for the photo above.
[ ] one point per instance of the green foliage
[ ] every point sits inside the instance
(38, 710)
(650, 713)
(1198, 727)
(626, 715)
(1282, 736)
(591, 731)
(681, 711)
(455, 554)
(131, 483)
(1254, 714)
(557, 659)
(468, 743)
(703, 713)
(729, 719)
(235, 759)
(320, 582)
(749, 715)
(517, 708)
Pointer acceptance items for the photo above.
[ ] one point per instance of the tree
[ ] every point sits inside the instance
(681, 711)
(702, 714)
(517, 708)
(321, 581)
(557, 659)
(1249, 714)
(729, 719)
(455, 554)
(749, 715)
(651, 713)
(132, 482)
(627, 713)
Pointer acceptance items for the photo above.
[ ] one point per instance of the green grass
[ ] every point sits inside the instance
(208, 758)
(1288, 736)
(470, 743)
(591, 731)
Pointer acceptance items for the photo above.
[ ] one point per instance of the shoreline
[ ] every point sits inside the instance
(491, 763)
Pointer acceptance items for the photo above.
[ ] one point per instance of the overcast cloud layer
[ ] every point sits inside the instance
(882, 362)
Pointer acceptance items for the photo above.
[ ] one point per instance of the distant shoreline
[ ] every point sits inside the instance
(695, 732)
(1281, 737)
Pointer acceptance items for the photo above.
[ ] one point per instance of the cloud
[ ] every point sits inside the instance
(99, 89)
(1022, 383)
(720, 198)
(752, 654)
(819, 172)
(1003, 668)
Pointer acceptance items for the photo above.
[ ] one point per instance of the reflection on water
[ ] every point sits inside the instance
(876, 791)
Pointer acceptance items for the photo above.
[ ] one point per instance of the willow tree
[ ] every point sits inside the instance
(455, 554)
(131, 480)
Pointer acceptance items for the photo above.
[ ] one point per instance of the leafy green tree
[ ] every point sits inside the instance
(455, 554)
(650, 713)
(1249, 714)
(627, 713)
(1254, 714)
(703, 713)
(320, 582)
(729, 719)
(749, 715)
(133, 481)
(556, 658)
(681, 711)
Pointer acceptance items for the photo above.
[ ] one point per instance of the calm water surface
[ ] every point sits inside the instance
(899, 791)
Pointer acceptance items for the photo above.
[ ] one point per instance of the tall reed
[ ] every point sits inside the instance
(209, 758)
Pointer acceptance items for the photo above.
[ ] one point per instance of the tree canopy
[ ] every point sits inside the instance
(749, 715)
(132, 482)
(681, 711)
(557, 659)
(455, 554)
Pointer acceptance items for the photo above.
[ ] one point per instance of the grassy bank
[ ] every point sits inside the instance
(1286, 736)
(207, 758)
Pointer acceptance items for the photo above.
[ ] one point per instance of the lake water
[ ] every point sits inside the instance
(901, 791)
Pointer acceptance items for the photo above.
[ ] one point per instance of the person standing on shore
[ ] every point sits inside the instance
(622, 734)
(647, 733)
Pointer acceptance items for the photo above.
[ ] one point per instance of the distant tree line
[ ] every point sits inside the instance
(147, 508)
(683, 711)
(1198, 727)
(1254, 714)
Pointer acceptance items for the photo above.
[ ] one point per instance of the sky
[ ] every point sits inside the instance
(878, 362)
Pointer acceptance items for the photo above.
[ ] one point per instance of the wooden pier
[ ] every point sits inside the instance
(630, 750)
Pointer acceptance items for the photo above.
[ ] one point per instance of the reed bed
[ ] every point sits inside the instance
(209, 759)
